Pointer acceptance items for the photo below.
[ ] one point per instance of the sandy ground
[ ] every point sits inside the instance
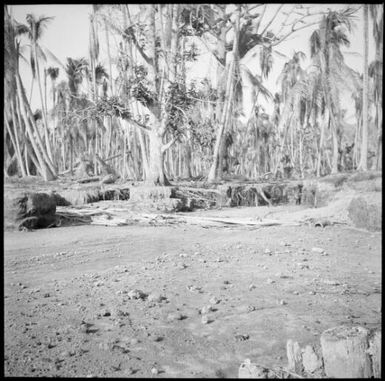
(68, 310)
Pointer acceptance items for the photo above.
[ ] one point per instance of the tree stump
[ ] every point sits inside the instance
(36, 211)
(344, 351)
(294, 356)
(312, 361)
(375, 353)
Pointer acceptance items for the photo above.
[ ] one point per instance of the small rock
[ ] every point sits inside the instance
(311, 293)
(252, 286)
(317, 250)
(270, 281)
(193, 288)
(155, 297)
(282, 302)
(214, 300)
(174, 316)
(295, 292)
(205, 319)
(136, 294)
(154, 371)
(268, 252)
(106, 313)
(251, 370)
(206, 310)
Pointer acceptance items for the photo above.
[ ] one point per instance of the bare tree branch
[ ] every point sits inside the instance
(260, 18)
(284, 22)
(273, 18)
(293, 30)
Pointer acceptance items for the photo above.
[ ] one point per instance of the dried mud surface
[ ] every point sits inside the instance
(68, 311)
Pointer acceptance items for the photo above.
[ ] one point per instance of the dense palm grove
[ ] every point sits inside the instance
(146, 116)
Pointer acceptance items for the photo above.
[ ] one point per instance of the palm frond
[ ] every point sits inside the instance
(256, 81)
(21, 29)
(53, 72)
(315, 43)
(51, 56)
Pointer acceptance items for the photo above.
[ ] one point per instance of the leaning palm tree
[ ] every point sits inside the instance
(35, 28)
(21, 113)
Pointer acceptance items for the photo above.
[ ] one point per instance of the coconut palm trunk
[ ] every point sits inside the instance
(365, 93)
(43, 111)
(45, 166)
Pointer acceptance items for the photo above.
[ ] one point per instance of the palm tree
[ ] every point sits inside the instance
(101, 78)
(35, 31)
(293, 81)
(76, 70)
(333, 73)
(53, 73)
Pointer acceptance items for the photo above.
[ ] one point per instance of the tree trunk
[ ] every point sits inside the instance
(45, 167)
(16, 122)
(156, 174)
(43, 111)
(215, 172)
(363, 166)
(109, 57)
(72, 155)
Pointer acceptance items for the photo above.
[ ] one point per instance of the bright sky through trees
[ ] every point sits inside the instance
(67, 36)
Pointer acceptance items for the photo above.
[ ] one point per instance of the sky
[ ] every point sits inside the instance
(67, 36)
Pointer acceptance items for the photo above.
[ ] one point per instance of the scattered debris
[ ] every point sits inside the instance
(241, 337)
